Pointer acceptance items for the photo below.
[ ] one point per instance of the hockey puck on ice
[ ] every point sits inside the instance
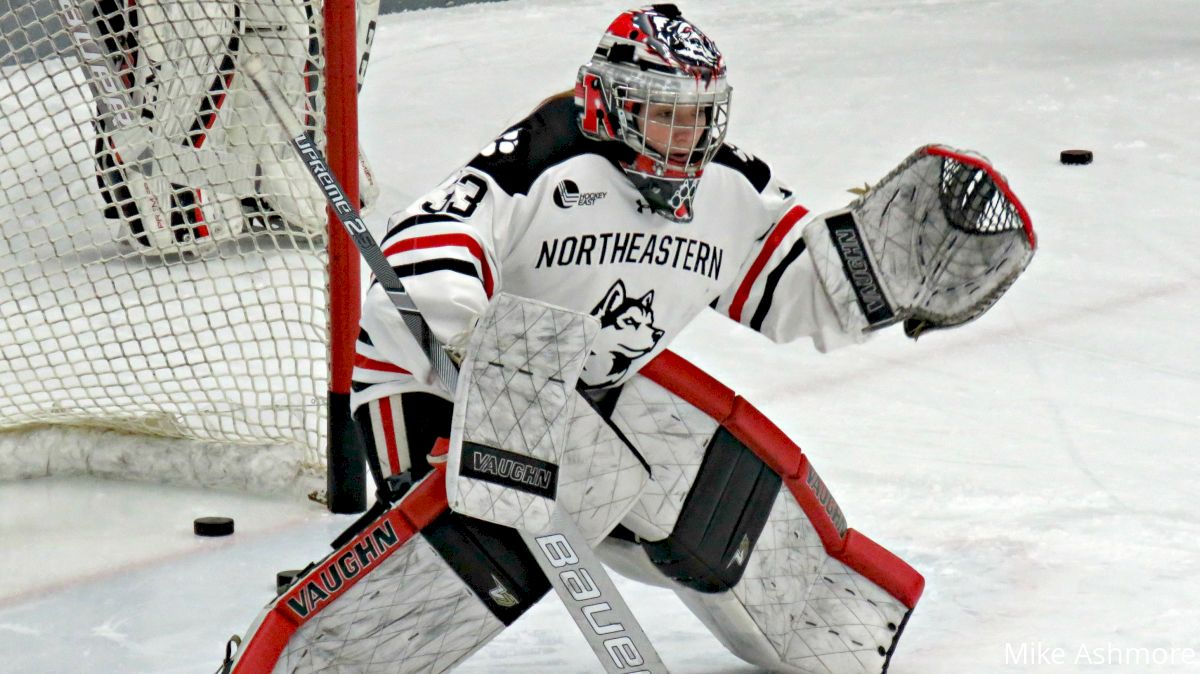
(213, 526)
(284, 579)
(1075, 157)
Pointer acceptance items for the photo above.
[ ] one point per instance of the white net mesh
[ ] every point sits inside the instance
(162, 267)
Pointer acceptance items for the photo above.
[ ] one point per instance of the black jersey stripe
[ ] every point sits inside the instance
(419, 219)
(443, 264)
(768, 296)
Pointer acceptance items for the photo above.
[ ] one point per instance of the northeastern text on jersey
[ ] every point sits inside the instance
(664, 250)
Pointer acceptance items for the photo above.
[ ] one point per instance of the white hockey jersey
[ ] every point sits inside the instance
(545, 213)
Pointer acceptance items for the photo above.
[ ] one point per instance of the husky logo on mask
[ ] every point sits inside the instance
(686, 41)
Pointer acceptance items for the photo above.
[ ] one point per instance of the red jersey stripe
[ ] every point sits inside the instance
(378, 365)
(440, 240)
(389, 434)
(789, 220)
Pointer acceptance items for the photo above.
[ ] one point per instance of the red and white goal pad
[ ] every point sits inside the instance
(778, 576)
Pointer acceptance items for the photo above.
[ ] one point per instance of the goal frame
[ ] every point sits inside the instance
(51, 432)
(345, 457)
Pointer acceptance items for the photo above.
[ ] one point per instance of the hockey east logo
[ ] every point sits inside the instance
(567, 194)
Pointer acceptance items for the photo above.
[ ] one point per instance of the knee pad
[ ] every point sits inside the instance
(720, 520)
(741, 526)
(412, 588)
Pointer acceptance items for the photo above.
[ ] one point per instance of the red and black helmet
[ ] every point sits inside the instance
(657, 84)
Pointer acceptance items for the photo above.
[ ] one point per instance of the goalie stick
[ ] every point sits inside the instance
(621, 645)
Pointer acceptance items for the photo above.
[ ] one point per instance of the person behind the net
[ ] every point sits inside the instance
(217, 170)
(622, 200)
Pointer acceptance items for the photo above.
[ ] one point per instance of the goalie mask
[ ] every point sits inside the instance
(657, 84)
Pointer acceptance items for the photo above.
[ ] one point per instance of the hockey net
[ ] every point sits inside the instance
(163, 283)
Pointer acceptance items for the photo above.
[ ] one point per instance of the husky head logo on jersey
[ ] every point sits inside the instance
(656, 83)
(627, 333)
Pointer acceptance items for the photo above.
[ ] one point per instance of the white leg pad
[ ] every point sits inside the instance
(799, 610)
(601, 478)
(814, 597)
(411, 615)
(795, 610)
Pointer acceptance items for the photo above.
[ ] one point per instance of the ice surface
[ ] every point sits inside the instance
(1038, 466)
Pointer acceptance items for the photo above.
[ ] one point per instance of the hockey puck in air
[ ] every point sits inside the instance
(1075, 157)
(284, 580)
(213, 526)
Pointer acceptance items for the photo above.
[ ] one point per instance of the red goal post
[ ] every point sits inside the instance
(174, 305)
(346, 486)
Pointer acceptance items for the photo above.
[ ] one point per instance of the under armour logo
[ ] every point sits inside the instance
(642, 206)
